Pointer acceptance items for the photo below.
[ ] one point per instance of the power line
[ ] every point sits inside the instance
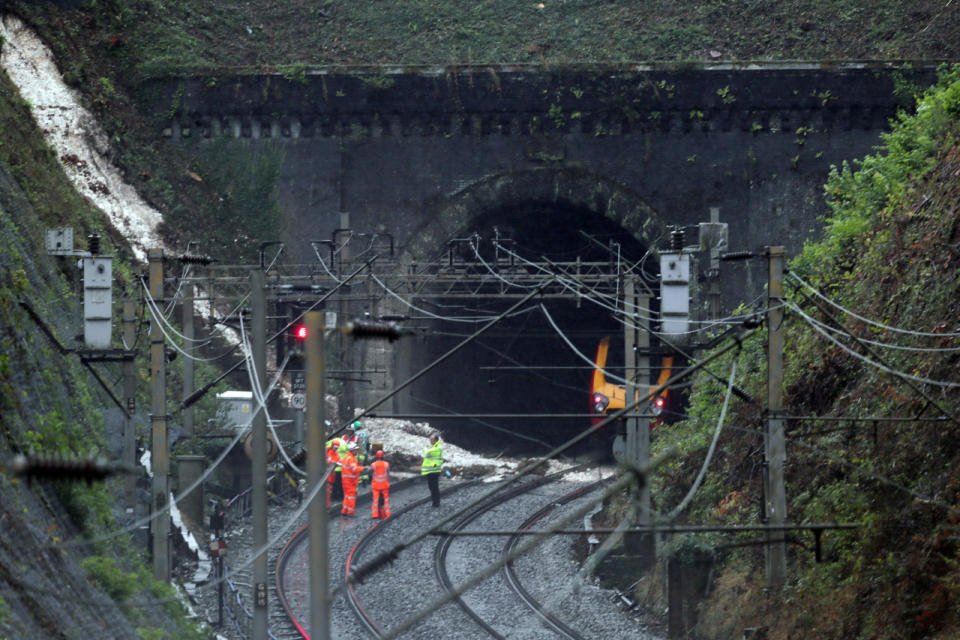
(874, 323)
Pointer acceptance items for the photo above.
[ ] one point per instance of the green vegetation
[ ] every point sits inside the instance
(49, 403)
(180, 36)
(244, 209)
(889, 252)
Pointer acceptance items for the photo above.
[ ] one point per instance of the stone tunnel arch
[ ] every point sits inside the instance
(568, 187)
(487, 377)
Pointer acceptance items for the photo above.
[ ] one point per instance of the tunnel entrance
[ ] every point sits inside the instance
(526, 367)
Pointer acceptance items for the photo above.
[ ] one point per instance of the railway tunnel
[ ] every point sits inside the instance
(524, 384)
(438, 154)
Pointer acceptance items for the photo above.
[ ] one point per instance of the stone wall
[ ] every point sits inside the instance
(405, 150)
(422, 154)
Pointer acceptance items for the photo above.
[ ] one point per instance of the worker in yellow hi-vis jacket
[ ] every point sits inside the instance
(431, 467)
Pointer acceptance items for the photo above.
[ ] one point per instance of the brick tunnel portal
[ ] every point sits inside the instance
(532, 363)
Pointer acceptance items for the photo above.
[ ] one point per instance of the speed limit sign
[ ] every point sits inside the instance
(298, 401)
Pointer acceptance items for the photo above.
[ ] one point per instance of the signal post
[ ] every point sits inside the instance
(316, 469)
(775, 499)
(636, 369)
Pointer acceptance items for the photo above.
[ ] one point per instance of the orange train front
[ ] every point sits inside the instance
(606, 396)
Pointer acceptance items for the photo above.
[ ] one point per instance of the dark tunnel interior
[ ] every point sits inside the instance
(521, 365)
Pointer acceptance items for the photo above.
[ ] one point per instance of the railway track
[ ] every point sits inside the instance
(293, 606)
(442, 549)
(499, 615)
(510, 573)
(421, 573)
(426, 569)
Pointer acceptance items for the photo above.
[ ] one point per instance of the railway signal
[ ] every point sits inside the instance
(299, 333)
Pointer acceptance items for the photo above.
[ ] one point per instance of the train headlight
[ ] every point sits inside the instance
(658, 405)
(600, 403)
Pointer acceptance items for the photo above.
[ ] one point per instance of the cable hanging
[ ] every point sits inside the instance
(900, 374)
(409, 304)
(676, 511)
(261, 397)
(868, 320)
(885, 345)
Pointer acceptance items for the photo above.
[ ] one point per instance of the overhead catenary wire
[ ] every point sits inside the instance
(520, 303)
(576, 351)
(531, 370)
(262, 397)
(323, 263)
(873, 363)
(241, 430)
(166, 329)
(388, 555)
(676, 511)
(610, 302)
(885, 345)
(435, 316)
(874, 323)
(511, 432)
(739, 392)
(566, 283)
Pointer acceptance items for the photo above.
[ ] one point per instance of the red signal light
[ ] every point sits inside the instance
(300, 332)
(658, 404)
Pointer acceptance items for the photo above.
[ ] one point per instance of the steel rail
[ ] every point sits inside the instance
(480, 508)
(510, 573)
(443, 547)
(298, 538)
(353, 599)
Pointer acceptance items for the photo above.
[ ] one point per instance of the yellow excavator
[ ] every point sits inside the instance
(606, 396)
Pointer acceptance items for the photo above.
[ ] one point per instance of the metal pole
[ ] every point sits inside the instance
(636, 372)
(641, 375)
(316, 468)
(715, 300)
(129, 401)
(220, 582)
(188, 294)
(159, 455)
(348, 400)
(259, 444)
(775, 446)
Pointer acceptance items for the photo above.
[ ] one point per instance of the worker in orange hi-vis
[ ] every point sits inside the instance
(332, 458)
(380, 483)
(349, 476)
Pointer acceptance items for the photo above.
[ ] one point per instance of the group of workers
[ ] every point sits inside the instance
(348, 454)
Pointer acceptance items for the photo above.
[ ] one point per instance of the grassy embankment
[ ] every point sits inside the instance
(891, 253)
(50, 405)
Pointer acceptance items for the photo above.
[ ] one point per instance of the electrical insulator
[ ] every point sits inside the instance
(367, 329)
(676, 240)
(201, 260)
(737, 255)
(60, 468)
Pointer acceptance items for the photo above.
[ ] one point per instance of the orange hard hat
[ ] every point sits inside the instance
(379, 453)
